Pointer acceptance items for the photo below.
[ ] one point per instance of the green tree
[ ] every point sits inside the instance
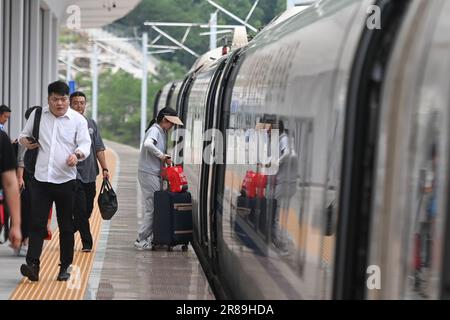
(119, 101)
(193, 11)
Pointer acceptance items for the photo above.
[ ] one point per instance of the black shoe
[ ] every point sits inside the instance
(86, 249)
(30, 271)
(63, 274)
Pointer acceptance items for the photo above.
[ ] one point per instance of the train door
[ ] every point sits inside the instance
(206, 171)
(409, 231)
(216, 172)
(182, 104)
(362, 121)
(155, 106)
(170, 94)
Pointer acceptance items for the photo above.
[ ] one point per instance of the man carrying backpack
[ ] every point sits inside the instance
(63, 142)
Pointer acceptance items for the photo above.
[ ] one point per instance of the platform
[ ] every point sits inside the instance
(115, 269)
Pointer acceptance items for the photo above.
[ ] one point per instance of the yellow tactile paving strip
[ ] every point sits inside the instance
(48, 288)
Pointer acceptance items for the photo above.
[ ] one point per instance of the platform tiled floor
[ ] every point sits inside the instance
(131, 274)
(120, 271)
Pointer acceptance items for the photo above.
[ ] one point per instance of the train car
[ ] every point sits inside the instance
(176, 87)
(164, 97)
(353, 204)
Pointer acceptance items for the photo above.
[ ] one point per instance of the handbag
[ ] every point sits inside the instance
(107, 200)
(176, 178)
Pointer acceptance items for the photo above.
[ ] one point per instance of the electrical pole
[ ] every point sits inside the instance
(68, 67)
(94, 67)
(213, 36)
(289, 4)
(144, 85)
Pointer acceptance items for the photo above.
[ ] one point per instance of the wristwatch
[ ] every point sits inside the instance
(78, 156)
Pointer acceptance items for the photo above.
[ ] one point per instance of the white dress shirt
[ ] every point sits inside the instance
(59, 137)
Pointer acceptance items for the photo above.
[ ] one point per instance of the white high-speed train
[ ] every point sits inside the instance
(360, 91)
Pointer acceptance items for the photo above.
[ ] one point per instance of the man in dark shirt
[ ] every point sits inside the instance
(10, 188)
(87, 173)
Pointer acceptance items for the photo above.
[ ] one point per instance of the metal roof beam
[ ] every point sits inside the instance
(178, 43)
(232, 15)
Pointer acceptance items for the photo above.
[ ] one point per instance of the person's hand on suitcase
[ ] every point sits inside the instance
(166, 159)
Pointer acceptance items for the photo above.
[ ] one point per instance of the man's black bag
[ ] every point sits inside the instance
(31, 155)
(107, 200)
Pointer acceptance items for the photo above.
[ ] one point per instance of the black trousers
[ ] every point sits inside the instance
(25, 205)
(84, 203)
(43, 195)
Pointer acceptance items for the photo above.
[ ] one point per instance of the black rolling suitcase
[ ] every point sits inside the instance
(172, 220)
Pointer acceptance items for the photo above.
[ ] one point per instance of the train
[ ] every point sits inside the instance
(358, 92)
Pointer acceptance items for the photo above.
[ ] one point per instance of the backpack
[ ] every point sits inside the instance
(31, 155)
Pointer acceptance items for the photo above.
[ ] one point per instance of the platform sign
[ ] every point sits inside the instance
(72, 86)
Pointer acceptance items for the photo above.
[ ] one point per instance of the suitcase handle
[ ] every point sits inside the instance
(183, 206)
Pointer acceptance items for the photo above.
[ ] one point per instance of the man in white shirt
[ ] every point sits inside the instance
(63, 141)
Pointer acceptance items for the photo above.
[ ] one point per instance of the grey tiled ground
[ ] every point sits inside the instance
(130, 274)
(10, 274)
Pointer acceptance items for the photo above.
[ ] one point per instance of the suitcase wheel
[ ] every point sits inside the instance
(184, 247)
(169, 248)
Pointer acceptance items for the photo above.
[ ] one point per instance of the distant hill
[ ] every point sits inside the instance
(193, 11)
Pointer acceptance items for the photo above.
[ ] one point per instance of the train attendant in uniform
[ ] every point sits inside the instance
(153, 156)
(63, 142)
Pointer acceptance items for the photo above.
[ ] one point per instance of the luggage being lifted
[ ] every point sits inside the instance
(172, 219)
(176, 178)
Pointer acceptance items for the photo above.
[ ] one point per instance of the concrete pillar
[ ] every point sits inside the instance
(16, 67)
(94, 70)
(47, 50)
(6, 51)
(35, 57)
(54, 57)
(2, 46)
(26, 57)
